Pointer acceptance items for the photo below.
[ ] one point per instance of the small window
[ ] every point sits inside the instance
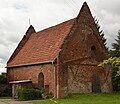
(93, 50)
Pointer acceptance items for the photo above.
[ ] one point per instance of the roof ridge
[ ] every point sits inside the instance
(56, 25)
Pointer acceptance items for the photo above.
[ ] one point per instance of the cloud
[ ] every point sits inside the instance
(15, 14)
(108, 14)
(110, 6)
(2, 69)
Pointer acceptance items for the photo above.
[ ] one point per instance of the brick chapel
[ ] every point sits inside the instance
(64, 58)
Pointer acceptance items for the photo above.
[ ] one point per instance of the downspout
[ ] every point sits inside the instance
(54, 79)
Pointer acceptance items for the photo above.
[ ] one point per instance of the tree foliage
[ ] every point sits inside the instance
(115, 64)
(100, 31)
(114, 61)
(3, 79)
(115, 52)
(5, 90)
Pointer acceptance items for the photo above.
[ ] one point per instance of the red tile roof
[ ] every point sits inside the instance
(42, 46)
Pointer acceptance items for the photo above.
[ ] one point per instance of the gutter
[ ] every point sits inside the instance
(31, 64)
(54, 80)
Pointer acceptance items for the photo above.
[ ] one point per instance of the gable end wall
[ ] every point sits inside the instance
(78, 63)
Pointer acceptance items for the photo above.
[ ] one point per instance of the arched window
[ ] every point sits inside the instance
(41, 80)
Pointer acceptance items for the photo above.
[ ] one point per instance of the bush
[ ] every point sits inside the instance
(28, 94)
(45, 94)
(3, 79)
(5, 91)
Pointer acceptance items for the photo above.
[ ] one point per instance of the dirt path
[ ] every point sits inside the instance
(13, 101)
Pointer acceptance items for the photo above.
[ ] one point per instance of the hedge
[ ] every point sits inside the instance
(28, 94)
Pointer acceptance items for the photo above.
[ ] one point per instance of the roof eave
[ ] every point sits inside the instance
(31, 64)
(21, 81)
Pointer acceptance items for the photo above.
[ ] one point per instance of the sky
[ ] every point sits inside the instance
(17, 15)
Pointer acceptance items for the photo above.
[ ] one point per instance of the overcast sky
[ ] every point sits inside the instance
(15, 14)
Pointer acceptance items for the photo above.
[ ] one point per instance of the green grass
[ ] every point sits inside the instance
(84, 99)
(5, 97)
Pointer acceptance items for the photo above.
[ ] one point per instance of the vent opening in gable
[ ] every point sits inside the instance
(93, 49)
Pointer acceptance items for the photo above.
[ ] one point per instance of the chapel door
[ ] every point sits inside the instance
(96, 84)
(16, 87)
(41, 80)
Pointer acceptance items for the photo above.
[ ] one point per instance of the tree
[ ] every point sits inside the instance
(114, 61)
(5, 90)
(115, 64)
(115, 52)
(100, 31)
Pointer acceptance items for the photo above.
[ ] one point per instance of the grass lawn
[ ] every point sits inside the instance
(84, 99)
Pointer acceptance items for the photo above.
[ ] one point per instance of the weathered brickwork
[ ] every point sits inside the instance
(32, 73)
(80, 55)
(79, 78)
(74, 50)
(78, 63)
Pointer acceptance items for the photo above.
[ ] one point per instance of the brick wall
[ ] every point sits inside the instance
(79, 57)
(32, 72)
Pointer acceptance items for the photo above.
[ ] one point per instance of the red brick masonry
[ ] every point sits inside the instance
(67, 54)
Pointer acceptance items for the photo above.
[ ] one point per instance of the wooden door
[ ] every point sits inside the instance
(96, 84)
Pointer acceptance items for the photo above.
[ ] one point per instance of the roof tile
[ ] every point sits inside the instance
(42, 46)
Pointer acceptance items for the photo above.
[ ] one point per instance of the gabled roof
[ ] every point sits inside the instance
(42, 46)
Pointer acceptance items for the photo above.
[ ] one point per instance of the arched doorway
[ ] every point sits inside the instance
(96, 84)
(41, 80)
